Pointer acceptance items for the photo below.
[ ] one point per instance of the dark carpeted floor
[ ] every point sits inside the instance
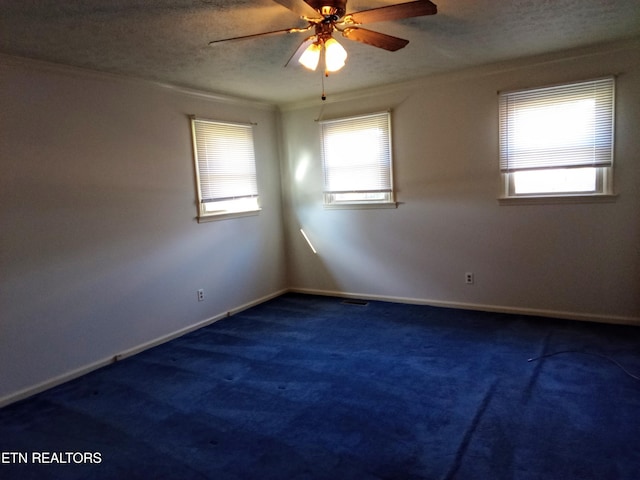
(306, 387)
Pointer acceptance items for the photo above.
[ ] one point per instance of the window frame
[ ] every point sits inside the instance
(603, 190)
(386, 194)
(231, 205)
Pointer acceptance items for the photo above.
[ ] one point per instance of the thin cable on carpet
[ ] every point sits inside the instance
(635, 377)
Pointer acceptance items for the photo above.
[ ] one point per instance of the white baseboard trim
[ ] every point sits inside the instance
(68, 376)
(53, 382)
(194, 327)
(586, 317)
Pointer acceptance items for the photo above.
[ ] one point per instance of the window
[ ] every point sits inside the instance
(356, 158)
(225, 169)
(557, 141)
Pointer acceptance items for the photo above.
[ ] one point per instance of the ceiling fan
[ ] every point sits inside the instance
(326, 16)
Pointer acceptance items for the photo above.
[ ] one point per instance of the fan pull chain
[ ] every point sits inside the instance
(324, 96)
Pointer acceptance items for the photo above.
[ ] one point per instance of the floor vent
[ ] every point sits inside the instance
(355, 301)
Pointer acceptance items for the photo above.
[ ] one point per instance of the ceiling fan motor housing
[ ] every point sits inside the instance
(334, 9)
(323, 31)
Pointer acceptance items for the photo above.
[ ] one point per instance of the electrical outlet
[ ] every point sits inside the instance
(201, 295)
(468, 278)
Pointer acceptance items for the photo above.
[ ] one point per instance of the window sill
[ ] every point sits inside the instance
(560, 199)
(226, 215)
(359, 206)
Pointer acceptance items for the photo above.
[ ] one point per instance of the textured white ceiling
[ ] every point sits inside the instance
(167, 40)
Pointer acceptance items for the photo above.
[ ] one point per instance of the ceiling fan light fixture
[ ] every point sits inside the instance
(311, 56)
(335, 55)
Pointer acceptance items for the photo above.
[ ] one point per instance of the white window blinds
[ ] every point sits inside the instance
(225, 160)
(356, 154)
(562, 126)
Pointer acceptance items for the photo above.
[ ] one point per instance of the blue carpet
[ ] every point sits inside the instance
(305, 387)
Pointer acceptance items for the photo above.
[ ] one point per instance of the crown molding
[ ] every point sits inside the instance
(495, 68)
(81, 72)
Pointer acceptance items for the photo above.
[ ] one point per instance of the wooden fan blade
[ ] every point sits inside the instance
(254, 35)
(399, 11)
(299, 7)
(300, 50)
(375, 39)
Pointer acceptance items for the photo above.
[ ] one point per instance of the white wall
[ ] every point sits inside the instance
(578, 261)
(100, 250)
